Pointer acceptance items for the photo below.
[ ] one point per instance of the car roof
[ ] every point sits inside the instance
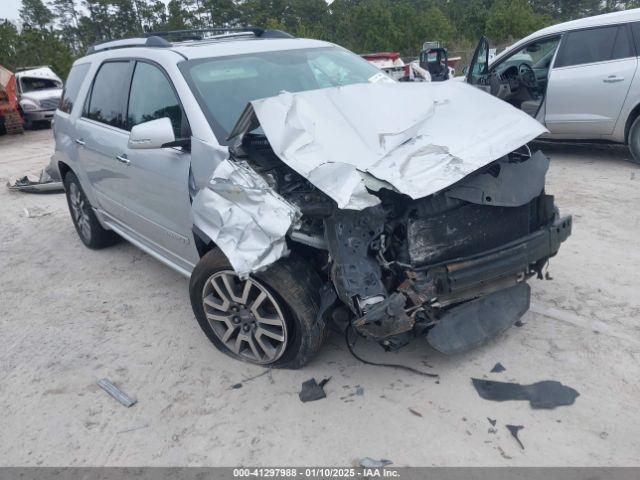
(614, 18)
(237, 46)
(207, 48)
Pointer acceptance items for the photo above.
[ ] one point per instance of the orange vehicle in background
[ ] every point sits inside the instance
(10, 119)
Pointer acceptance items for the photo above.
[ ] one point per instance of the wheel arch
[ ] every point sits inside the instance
(64, 168)
(202, 242)
(635, 113)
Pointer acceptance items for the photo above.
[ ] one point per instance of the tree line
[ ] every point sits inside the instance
(55, 32)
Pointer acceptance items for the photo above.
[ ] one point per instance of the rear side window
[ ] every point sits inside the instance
(152, 97)
(108, 94)
(595, 45)
(72, 87)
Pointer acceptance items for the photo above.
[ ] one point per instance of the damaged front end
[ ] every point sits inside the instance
(422, 239)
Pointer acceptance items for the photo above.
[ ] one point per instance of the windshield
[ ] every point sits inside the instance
(30, 84)
(223, 86)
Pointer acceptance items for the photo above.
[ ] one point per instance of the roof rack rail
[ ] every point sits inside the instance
(147, 41)
(200, 33)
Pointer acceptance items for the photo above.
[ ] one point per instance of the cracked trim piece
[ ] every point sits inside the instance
(515, 184)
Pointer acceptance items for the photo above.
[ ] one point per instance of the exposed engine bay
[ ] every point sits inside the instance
(404, 267)
(420, 219)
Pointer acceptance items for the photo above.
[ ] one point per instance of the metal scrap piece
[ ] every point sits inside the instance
(116, 393)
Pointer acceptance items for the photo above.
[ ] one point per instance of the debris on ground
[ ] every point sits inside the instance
(367, 462)
(48, 181)
(514, 429)
(546, 394)
(504, 454)
(492, 421)
(31, 184)
(497, 368)
(415, 412)
(116, 393)
(133, 429)
(519, 324)
(35, 212)
(238, 385)
(311, 390)
(359, 391)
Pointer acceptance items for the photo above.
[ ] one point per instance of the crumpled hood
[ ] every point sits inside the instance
(415, 138)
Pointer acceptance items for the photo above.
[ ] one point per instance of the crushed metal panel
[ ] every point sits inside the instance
(419, 138)
(205, 157)
(245, 218)
(515, 184)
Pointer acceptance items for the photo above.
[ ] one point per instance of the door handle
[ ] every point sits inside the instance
(123, 159)
(613, 79)
(80, 142)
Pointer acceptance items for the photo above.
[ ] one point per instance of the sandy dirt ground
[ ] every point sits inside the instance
(70, 316)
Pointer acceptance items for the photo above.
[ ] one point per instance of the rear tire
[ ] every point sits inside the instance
(289, 289)
(92, 234)
(634, 141)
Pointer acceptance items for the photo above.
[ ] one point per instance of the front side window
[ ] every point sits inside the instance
(223, 86)
(152, 97)
(595, 45)
(72, 86)
(107, 101)
(537, 55)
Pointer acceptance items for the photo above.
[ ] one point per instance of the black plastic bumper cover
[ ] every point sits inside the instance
(511, 259)
(473, 323)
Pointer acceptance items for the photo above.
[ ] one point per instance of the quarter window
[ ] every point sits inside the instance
(594, 45)
(106, 104)
(72, 86)
(152, 97)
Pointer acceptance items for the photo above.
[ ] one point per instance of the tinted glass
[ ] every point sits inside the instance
(635, 28)
(107, 96)
(224, 86)
(72, 87)
(144, 107)
(623, 47)
(593, 45)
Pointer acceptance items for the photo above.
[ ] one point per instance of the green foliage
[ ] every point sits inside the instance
(54, 32)
(511, 20)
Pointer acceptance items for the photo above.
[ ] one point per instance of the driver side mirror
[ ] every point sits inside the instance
(153, 134)
(465, 69)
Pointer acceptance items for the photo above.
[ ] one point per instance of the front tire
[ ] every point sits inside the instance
(634, 140)
(92, 234)
(268, 319)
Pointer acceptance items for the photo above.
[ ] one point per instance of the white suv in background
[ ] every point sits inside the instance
(577, 78)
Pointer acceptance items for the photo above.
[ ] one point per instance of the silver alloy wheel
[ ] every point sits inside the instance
(245, 317)
(79, 207)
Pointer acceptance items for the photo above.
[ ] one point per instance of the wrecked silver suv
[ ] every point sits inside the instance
(299, 188)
